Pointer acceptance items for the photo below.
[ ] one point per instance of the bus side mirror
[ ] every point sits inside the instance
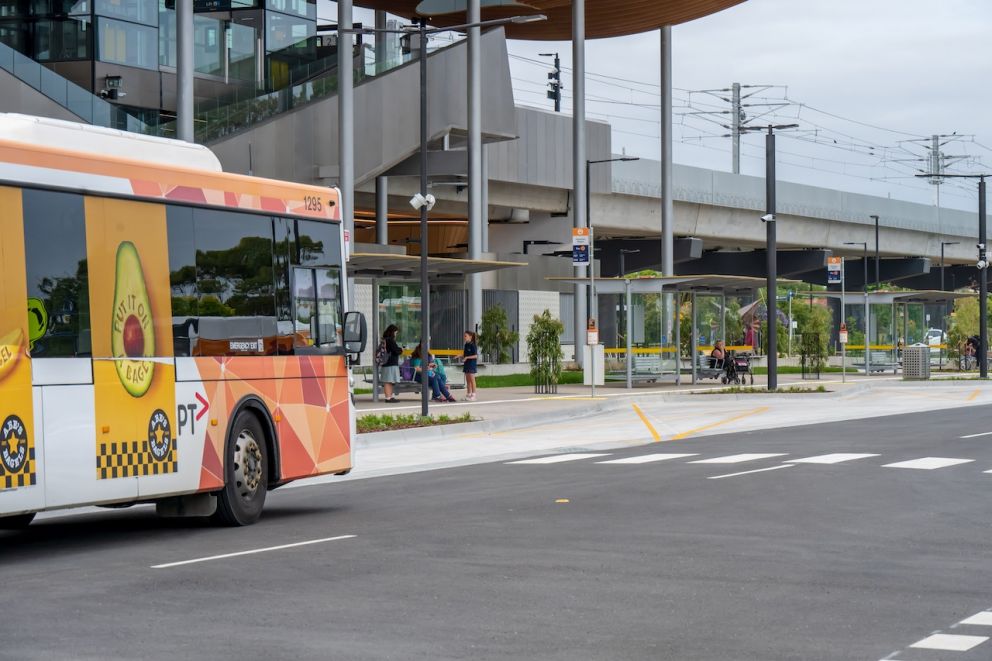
(355, 334)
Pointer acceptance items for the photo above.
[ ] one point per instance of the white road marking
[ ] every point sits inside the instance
(983, 619)
(646, 458)
(984, 433)
(757, 470)
(737, 458)
(929, 463)
(559, 458)
(835, 458)
(252, 552)
(949, 642)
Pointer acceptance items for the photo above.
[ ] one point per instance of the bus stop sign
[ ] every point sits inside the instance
(833, 271)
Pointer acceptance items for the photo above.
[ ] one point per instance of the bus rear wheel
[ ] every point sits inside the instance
(246, 473)
(16, 522)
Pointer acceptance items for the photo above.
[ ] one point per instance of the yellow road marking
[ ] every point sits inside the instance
(973, 395)
(690, 432)
(561, 500)
(647, 423)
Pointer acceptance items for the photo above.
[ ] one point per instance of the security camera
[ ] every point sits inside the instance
(982, 265)
(419, 201)
(768, 218)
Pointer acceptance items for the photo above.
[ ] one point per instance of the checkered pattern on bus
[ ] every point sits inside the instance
(25, 478)
(133, 459)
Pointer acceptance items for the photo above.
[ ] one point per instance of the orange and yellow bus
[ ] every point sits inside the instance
(169, 333)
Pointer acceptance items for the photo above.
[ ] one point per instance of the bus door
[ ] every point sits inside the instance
(133, 367)
(21, 457)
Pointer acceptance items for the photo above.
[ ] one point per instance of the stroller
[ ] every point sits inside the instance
(737, 369)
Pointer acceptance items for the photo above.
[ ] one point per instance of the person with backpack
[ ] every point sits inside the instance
(387, 358)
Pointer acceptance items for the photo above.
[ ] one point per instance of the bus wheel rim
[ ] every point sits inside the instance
(247, 465)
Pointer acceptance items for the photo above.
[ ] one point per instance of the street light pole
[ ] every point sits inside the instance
(425, 292)
(772, 260)
(983, 265)
(771, 248)
(983, 286)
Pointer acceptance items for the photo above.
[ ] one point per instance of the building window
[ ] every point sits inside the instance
(295, 7)
(57, 274)
(62, 40)
(16, 34)
(136, 11)
(285, 32)
(128, 44)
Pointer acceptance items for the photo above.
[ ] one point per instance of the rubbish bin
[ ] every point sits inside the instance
(916, 362)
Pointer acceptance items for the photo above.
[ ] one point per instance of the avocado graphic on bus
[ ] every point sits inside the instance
(132, 337)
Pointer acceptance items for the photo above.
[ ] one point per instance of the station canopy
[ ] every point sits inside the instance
(391, 265)
(927, 297)
(725, 284)
(604, 18)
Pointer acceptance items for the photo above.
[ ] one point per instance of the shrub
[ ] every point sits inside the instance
(544, 350)
(495, 337)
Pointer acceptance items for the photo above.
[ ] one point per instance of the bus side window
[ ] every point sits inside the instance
(57, 274)
(317, 308)
(182, 280)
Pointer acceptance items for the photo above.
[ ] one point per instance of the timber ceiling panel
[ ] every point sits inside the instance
(604, 18)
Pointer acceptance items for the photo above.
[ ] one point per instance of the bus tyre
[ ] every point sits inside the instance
(246, 473)
(17, 522)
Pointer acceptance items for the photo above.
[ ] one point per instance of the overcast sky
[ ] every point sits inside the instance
(916, 66)
(912, 68)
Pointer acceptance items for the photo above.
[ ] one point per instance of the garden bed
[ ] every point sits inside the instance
(375, 423)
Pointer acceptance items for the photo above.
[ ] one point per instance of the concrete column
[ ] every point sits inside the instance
(382, 211)
(381, 40)
(693, 346)
(475, 196)
(346, 116)
(485, 199)
(629, 331)
(184, 71)
(580, 215)
(667, 204)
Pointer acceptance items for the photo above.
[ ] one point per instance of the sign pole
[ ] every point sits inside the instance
(843, 327)
(593, 305)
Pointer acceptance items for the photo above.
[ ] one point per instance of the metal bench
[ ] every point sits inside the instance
(703, 369)
(881, 361)
(456, 379)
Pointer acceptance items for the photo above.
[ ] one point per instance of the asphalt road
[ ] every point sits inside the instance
(850, 560)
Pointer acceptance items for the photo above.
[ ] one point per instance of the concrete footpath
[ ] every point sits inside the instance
(518, 425)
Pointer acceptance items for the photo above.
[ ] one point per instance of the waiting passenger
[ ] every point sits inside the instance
(718, 355)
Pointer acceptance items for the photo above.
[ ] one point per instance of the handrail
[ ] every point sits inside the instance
(78, 101)
(219, 122)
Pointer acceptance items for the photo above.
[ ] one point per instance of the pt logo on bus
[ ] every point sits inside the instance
(13, 444)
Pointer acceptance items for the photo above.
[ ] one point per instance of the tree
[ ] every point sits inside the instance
(544, 351)
(964, 324)
(495, 337)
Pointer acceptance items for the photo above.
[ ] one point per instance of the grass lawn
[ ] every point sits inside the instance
(511, 380)
(795, 369)
(787, 390)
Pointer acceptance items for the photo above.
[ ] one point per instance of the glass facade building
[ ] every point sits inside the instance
(238, 45)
